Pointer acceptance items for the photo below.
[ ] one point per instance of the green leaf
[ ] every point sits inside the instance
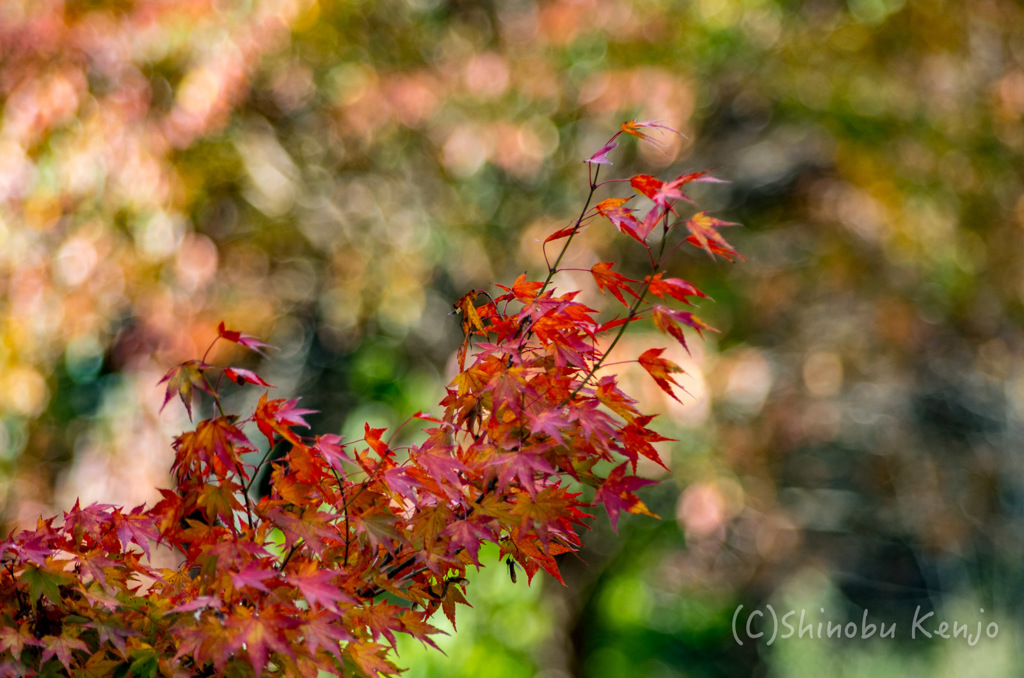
(145, 663)
(44, 582)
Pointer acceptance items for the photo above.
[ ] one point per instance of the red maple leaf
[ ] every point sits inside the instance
(324, 630)
(617, 495)
(660, 369)
(15, 640)
(470, 534)
(330, 449)
(372, 436)
(182, 380)
(706, 235)
(246, 340)
(638, 440)
(241, 376)
(313, 528)
(278, 416)
(614, 282)
(522, 289)
(601, 157)
(253, 575)
(63, 647)
(137, 527)
(562, 233)
(633, 128)
(319, 588)
(666, 319)
(621, 217)
(672, 287)
(260, 633)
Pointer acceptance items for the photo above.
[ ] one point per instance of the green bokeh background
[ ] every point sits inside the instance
(330, 175)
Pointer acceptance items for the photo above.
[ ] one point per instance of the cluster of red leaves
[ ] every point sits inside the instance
(358, 540)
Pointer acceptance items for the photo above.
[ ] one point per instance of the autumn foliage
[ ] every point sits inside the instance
(359, 540)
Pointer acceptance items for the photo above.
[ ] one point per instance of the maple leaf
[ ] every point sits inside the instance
(241, 376)
(562, 233)
(452, 597)
(62, 647)
(44, 582)
(93, 563)
(523, 466)
(532, 558)
(15, 639)
(414, 624)
(246, 340)
(137, 527)
(706, 235)
(470, 316)
(312, 527)
(260, 633)
(672, 287)
(88, 522)
(318, 587)
(215, 442)
(549, 509)
(199, 603)
(34, 547)
(378, 525)
(112, 633)
(402, 481)
(617, 495)
(443, 467)
(371, 658)
(633, 128)
(614, 282)
(323, 630)
(595, 424)
(469, 534)
(522, 289)
(667, 319)
(278, 416)
(303, 465)
(601, 157)
(664, 193)
(621, 217)
(614, 399)
(252, 575)
(382, 620)
(551, 423)
(646, 185)
(145, 662)
(372, 436)
(637, 440)
(660, 369)
(220, 501)
(615, 322)
(182, 380)
(331, 450)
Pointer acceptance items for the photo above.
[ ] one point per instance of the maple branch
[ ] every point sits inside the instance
(258, 468)
(344, 510)
(409, 532)
(209, 348)
(634, 309)
(633, 312)
(291, 552)
(579, 220)
(245, 495)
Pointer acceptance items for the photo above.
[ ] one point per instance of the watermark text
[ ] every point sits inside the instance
(769, 625)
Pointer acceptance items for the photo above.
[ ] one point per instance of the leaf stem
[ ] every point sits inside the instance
(634, 310)
(579, 220)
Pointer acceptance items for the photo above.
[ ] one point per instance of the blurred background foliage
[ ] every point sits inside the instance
(331, 174)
